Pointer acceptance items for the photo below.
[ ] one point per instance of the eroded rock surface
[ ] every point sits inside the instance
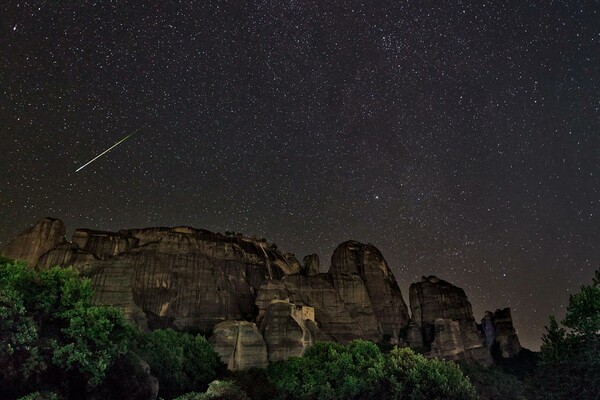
(500, 334)
(35, 241)
(284, 329)
(445, 317)
(178, 277)
(331, 315)
(367, 285)
(240, 345)
(311, 265)
(196, 280)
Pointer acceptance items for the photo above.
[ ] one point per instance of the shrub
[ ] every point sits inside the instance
(51, 332)
(330, 371)
(414, 377)
(181, 362)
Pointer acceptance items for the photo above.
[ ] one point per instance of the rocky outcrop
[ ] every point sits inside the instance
(500, 335)
(35, 241)
(284, 329)
(367, 285)
(178, 277)
(103, 244)
(331, 314)
(240, 345)
(445, 318)
(311, 265)
(196, 280)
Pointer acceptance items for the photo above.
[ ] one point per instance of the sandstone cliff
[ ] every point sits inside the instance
(35, 241)
(443, 316)
(500, 334)
(262, 304)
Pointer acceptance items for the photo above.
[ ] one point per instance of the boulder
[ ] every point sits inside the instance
(35, 241)
(240, 345)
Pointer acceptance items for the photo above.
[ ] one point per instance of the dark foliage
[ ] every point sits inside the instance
(182, 362)
(570, 354)
(51, 335)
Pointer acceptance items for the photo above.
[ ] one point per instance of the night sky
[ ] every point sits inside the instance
(461, 138)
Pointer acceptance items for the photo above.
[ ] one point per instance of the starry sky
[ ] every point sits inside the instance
(462, 138)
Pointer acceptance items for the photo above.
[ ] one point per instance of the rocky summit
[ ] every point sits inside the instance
(260, 304)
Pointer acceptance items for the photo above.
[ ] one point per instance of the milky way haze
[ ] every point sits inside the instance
(461, 138)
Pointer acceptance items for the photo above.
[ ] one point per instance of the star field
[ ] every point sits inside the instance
(461, 138)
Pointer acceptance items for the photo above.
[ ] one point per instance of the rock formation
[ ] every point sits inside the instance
(444, 316)
(365, 282)
(311, 265)
(500, 334)
(35, 241)
(240, 345)
(196, 280)
(285, 331)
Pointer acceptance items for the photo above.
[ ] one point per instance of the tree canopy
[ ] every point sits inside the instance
(360, 370)
(51, 332)
(570, 353)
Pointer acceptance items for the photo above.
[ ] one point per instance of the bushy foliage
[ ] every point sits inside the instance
(494, 384)
(51, 332)
(255, 383)
(415, 377)
(570, 354)
(181, 362)
(218, 390)
(360, 371)
(330, 371)
(40, 396)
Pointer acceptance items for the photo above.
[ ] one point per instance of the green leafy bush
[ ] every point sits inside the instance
(360, 371)
(255, 383)
(494, 384)
(415, 377)
(218, 390)
(181, 362)
(330, 371)
(51, 332)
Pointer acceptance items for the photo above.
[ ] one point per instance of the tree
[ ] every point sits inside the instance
(493, 383)
(181, 362)
(51, 332)
(570, 354)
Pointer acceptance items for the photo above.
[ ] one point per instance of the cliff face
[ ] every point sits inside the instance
(261, 303)
(362, 276)
(500, 334)
(35, 241)
(443, 316)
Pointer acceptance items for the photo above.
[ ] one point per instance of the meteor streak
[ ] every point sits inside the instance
(107, 150)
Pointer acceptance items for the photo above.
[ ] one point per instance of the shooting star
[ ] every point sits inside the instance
(107, 150)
